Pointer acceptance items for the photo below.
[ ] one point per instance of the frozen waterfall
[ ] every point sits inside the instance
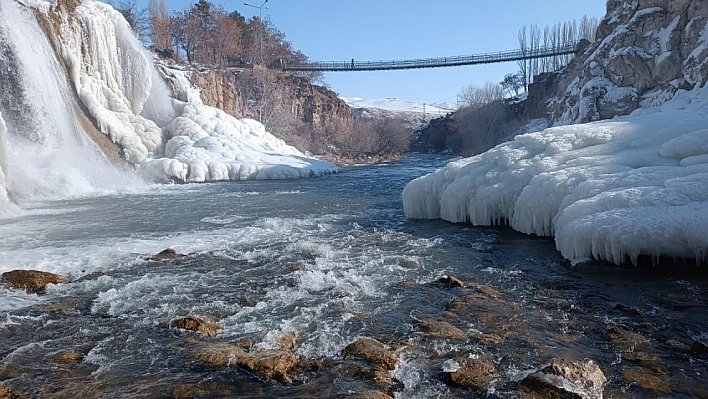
(91, 61)
(45, 150)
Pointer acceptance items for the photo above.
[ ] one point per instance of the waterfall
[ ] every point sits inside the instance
(4, 201)
(46, 152)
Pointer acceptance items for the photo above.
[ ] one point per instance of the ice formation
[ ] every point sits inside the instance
(45, 149)
(187, 141)
(610, 190)
(3, 165)
(45, 152)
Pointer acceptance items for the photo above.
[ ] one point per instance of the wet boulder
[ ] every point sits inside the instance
(274, 363)
(6, 393)
(372, 351)
(368, 394)
(651, 378)
(451, 281)
(32, 281)
(166, 254)
(441, 330)
(348, 378)
(66, 357)
(566, 379)
(628, 310)
(218, 355)
(700, 347)
(624, 339)
(474, 374)
(287, 341)
(197, 324)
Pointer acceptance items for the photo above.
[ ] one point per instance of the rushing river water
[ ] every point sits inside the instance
(329, 260)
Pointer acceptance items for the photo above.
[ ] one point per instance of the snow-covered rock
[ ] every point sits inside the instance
(611, 190)
(648, 51)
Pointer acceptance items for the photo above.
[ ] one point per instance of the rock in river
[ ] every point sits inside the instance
(372, 351)
(273, 363)
(197, 324)
(472, 373)
(32, 281)
(566, 379)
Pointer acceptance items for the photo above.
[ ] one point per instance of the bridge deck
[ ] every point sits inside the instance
(486, 58)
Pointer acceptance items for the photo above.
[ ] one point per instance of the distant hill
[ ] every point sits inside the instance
(415, 113)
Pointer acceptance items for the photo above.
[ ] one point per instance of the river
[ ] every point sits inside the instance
(324, 260)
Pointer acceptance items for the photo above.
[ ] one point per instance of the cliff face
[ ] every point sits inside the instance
(310, 104)
(649, 50)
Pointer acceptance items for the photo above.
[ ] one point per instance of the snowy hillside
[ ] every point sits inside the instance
(610, 190)
(415, 113)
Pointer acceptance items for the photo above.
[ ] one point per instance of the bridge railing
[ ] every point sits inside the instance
(485, 58)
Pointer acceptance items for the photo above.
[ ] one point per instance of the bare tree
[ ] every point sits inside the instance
(136, 17)
(558, 36)
(476, 96)
(161, 31)
(523, 64)
(479, 129)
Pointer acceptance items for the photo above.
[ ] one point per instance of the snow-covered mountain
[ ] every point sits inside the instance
(415, 113)
(49, 130)
(615, 189)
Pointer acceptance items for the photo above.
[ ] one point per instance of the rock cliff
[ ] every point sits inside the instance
(647, 51)
(310, 104)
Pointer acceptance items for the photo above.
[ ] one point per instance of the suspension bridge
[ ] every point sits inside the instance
(439, 62)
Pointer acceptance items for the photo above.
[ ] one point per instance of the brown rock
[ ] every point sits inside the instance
(624, 338)
(197, 324)
(441, 330)
(166, 254)
(287, 341)
(245, 343)
(451, 281)
(647, 378)
(269, 363)
(67, 357)
(489, 339)
(372, 351)
(473, 373)
(6, 393)
(641, 357)
(566, 379)
(369, 394)
(189, 392)
(218, 355)
(489, 291)
(32, 281)
(628, 310)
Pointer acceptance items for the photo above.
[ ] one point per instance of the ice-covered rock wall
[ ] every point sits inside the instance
(647, 51)
(170, 138)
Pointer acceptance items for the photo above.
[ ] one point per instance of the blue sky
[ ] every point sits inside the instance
(333, 30)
